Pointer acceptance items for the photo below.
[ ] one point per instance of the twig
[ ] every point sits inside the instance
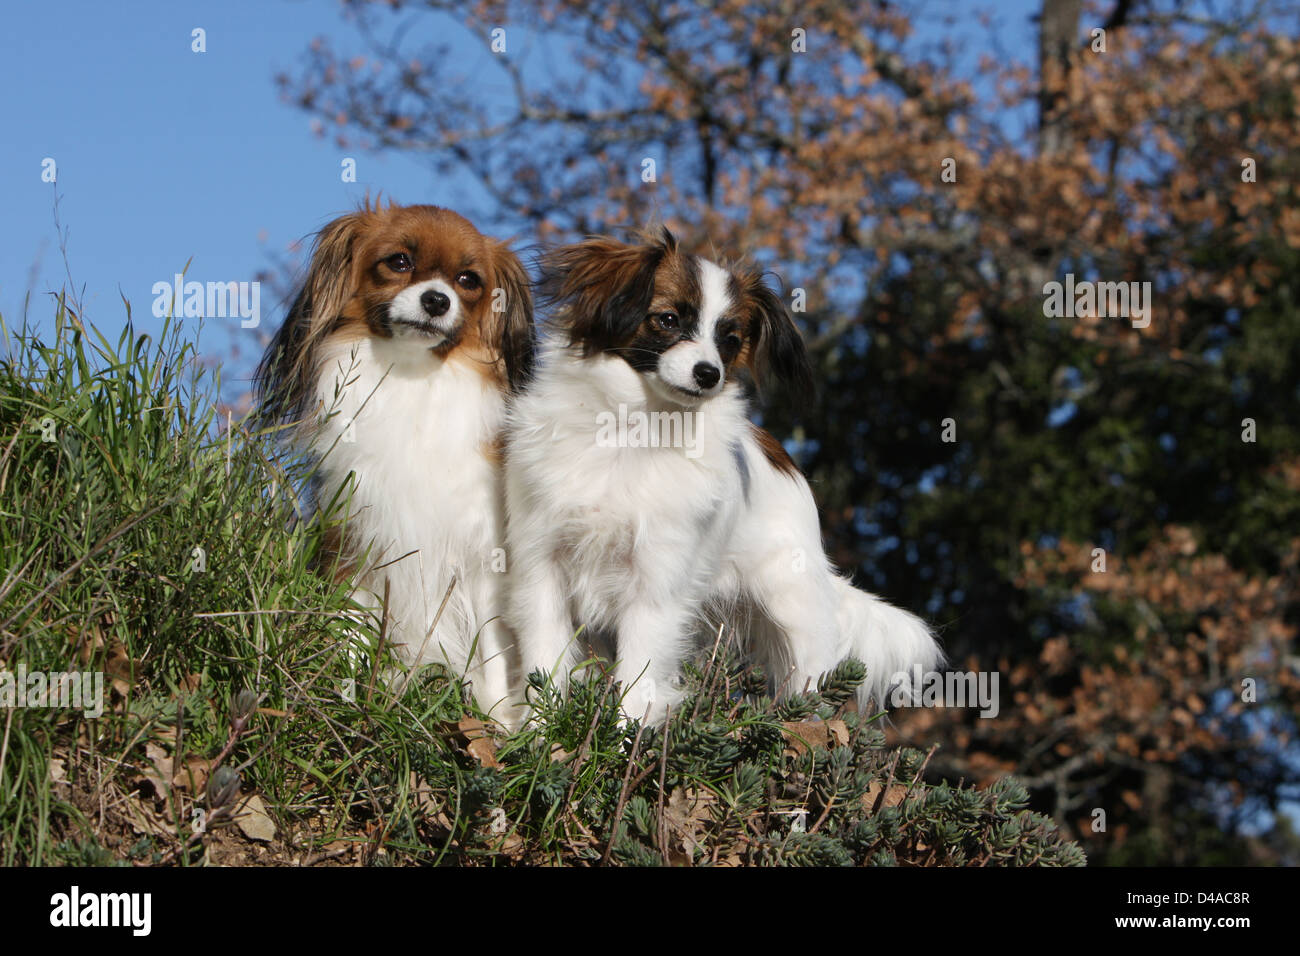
(622, 796)
(710, 674)
(586, 742)
(4, 747)
(324, 855)
(663, 775)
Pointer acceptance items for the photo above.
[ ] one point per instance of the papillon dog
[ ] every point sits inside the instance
(643, 505)
(393, 369)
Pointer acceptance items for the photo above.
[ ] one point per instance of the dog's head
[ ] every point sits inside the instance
(686, 324)
(421, 276)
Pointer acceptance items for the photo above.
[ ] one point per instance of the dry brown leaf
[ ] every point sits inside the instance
(839, 732)
(58, 771)
(512, 846)
(119, 667)
(806, 734)
(686, 812)
(144, 819)
(484, 750)
(478, 741)
(893, 797)
(422, 796)
(158, 771)
(192, 775)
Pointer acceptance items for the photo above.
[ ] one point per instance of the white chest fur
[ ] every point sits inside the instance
(416, 435)
(625, 516)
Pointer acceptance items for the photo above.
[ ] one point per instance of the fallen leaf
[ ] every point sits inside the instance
(144, 819)
(192, 775)
(422, 796)
(686, 811)
(804, 735)
(897, 792)
(839, 732)
(119, 667)
(58, 771)
(478, 741)
(158, 772)
(513, 846)
(484, 750)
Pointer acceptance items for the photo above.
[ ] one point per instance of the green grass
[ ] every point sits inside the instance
(143, 539)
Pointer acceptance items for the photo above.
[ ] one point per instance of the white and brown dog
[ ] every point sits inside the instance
(394, 366)
(642, 501)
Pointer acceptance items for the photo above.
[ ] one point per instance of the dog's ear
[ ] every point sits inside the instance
(284, 377)
(509, 329)
(775, 343)
(603, 287)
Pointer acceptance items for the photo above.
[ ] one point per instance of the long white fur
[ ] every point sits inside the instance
(414, 431)
(648, 543)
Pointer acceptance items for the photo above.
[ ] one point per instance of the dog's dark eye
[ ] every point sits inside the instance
(733, 342)
(469, 281)
(399, 262)
(666, 320)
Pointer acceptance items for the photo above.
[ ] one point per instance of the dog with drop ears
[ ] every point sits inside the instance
(392, 371)
(643, 544)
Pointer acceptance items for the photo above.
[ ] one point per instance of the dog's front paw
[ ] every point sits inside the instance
(514, 716)
(643, 702)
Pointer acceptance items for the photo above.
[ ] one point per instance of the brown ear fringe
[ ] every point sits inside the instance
(778, 348)
(599, 289)
(511, 332)
(284, 381)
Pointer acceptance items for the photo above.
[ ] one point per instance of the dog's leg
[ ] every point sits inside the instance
(491, 675)
(800, 613)
(539, 616)
(783, 570)
(651, 642)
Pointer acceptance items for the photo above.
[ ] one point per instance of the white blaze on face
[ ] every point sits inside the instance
(677, 365)
(406, 307)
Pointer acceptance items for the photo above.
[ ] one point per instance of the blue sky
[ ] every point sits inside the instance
(165, 155)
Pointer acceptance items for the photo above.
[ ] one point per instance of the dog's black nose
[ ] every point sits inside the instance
(706, 374)
(435, 303)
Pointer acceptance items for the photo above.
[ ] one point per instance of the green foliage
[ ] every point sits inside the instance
(730, 780)
(139, 542)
